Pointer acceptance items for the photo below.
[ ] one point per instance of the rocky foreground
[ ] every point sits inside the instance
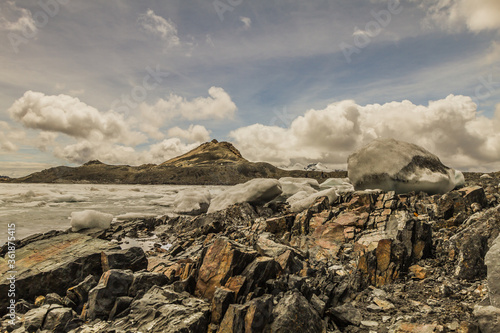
(367, 261)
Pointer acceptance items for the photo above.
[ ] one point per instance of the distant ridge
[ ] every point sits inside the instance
(211, 163)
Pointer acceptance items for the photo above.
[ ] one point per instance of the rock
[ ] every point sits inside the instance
(304, 203)
(259, 271)
(294, 314)
(399, 166)
(39, 301)
(234, 319)
(474, 194)
(143, 281)
(223, 297)
(472, 243)
(132, 258)
(259, 314)
(79, 294)
(256, 191)
(346, 315)
(192, 201)
(418, 271)
(53, 265)
(59, 320)
(223, 259)
(163, 310)
(266, 246)
(492, 260)
(113, 283)
(53, 298)
(488, 318)
(121, 304)
(485, 176)
(49, 317)
(413, 328)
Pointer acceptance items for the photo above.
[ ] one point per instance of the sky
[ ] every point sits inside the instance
(286, 81)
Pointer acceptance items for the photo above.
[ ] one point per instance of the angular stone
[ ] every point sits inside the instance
(236, 284)
(259, 271)
(474, 194)
(143, 281)
(222, 260)
(279, 225)
(289, 263)
(301, 223)
(79, 293)
(320, 204)
(121, 304)
(418, 271)
(163, 310)
(488, 318)
(492, 260)
(294, 314)
(132, 258)
(223, 297)
(57, 319)
(53, 265)
(259, 314)
(234, 319)
(266, 246)
(113, 283)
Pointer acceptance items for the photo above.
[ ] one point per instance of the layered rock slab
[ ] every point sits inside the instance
(53, 265)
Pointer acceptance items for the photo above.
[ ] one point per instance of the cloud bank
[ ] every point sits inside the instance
(452, 128)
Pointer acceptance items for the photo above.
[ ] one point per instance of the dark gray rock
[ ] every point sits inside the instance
(294, 314)
(113, 283)
(132, 258)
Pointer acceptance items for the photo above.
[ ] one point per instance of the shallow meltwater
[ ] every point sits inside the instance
(38, 208)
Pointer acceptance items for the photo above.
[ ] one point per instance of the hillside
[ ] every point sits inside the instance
(212, 163)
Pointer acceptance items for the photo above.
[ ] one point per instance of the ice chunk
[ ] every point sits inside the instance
(192, 201)
(256, 191)
(340, 184)
(399, 166)
(290, 186)
(298, 202)
(90, 219)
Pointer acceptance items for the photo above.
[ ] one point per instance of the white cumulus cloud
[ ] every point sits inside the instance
(68, 115)
(217, 106)
(195, 133)
(452, 128)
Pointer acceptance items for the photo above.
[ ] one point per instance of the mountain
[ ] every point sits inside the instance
(212, 163)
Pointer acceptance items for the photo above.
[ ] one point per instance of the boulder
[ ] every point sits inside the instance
(53, 265)
(132, 258)
(113, 283)
(294, 314)
(256, 191)
(473, 241)
(192, 201)
(399, 166)
(164, 310)
(492, 260)
(223, 297)
(49, 317)
(223, 259)
(144, 280)
(488, 318)
(79, 294)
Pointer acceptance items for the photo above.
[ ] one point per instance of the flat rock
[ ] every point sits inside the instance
(53, 265)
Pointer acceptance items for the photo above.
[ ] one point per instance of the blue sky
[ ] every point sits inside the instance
(286, 81)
